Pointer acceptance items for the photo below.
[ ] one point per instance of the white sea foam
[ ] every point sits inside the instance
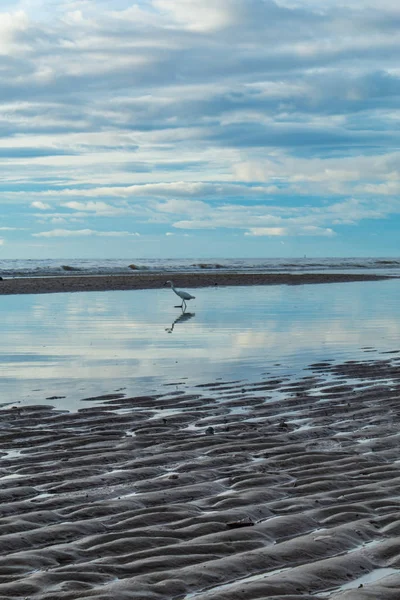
(53, 267)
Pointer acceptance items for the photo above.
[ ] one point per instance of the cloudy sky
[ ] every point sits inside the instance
(202, 129)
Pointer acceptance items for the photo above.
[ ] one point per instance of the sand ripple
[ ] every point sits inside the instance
(274, 490)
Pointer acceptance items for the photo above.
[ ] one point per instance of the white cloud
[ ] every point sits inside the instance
(326, 171)
(312, 230)
(40, 205)
(172, 191)
(83, 233)
(267, 231)
(204, 16)
(99, 208)
(390, 188)
(309, 230)
(272, 118)
(190, 207)
(275, 220)
(10, 25)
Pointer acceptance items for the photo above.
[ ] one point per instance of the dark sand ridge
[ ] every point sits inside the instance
(98, 283)
(277, 490)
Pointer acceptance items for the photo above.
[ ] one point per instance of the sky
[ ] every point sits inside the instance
(180, 128)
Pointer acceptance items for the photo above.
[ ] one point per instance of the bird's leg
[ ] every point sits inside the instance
(183, 305)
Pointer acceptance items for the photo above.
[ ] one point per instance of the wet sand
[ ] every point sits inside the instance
(281, 490)
(136, 281)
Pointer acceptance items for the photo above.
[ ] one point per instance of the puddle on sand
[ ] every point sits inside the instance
(11, 476)
(12, 454)
(369, 578)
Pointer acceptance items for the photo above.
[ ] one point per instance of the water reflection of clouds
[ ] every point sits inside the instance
(117, 335)
(317, 334)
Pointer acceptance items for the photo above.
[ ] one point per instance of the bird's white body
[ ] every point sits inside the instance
(182, 294)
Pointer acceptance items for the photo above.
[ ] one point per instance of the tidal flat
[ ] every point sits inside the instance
(247, 448)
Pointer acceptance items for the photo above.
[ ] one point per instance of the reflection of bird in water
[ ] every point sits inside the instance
(184, 295)
(183, 317)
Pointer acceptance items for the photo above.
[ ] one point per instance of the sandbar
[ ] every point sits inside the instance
(137, 281)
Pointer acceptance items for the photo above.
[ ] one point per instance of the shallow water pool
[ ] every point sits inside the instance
(62, 348)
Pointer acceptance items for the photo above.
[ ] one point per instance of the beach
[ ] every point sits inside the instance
(200, 300)
(219, 495)
(140, 281)
(284, 488)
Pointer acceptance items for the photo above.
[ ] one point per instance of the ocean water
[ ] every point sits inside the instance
(60, 349)
(51, 267)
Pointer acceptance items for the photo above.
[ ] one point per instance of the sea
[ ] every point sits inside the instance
(54, 267)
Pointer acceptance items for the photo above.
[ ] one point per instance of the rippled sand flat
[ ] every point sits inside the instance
(280, 489)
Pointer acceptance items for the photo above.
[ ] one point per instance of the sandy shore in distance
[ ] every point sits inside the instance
(280, 490)
(97, 283)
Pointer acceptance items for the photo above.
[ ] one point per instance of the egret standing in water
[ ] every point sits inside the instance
(184, 295)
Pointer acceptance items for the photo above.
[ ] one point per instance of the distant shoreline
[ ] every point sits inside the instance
(142, 281)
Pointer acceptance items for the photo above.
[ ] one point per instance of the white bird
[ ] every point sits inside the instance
(184, 295)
